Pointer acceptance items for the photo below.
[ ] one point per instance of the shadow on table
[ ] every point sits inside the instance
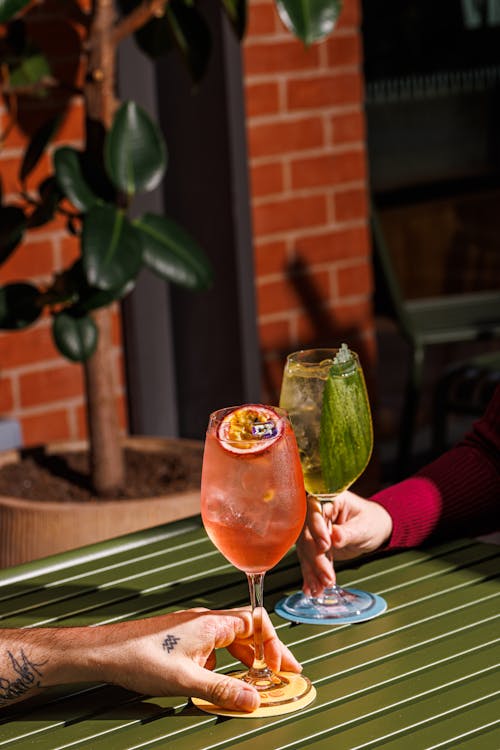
(483, 560)
(25, 605)
(70, 705)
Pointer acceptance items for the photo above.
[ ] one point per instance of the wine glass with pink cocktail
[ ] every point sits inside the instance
(253, 507)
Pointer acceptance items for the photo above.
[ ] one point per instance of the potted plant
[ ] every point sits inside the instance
(92, 189)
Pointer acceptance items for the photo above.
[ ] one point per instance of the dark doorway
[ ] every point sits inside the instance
(210, 337)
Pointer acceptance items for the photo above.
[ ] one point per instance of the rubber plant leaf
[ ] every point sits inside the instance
(69, 176)
(191, 36)
(236, 11)
(134, 150)
(19, 306)
(111, 248)
(309, 20)
(9, 8)
(75, 336)
(50, 195)
(12, 228)
(32, 70)
(173, 254)
(90, 298)
(154, 38)
(37, 146)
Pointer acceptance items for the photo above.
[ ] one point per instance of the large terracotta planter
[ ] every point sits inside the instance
(31, 529)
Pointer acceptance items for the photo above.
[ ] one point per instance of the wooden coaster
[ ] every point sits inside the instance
(297, 684)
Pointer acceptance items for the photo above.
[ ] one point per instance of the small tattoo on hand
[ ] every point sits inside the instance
(170, 643)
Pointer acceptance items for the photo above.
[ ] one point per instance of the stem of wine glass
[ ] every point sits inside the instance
(259, 674)
(336, 601)
(329, 551)
(259, 668)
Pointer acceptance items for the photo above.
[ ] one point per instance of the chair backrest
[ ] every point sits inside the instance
(479, 309)
(391, 286)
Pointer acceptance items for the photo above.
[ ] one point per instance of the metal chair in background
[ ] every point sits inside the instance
(464, 389)
(427, 322)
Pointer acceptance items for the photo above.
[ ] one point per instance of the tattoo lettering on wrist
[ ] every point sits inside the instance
(170, 642)
(29, 674)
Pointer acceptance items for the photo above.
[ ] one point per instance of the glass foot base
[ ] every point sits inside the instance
(337, 606)
(294, 693)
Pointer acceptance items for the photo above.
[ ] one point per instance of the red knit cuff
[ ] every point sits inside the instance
(415, 508)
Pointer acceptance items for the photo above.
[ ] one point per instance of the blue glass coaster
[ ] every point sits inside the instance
(312, 614)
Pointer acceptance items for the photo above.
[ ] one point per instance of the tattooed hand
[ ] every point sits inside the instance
(178, 658)
(167, 655)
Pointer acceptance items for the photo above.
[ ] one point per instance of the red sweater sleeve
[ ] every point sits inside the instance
(458, 494)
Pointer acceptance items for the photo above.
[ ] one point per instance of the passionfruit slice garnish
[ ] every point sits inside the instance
(252, 428)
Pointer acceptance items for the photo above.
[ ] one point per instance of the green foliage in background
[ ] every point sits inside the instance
(113, 247)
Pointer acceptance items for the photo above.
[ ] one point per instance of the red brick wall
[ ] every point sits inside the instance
(308, 168)
(308, 177)
(38, 386)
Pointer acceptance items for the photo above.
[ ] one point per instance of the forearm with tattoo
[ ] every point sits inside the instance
(22, 676)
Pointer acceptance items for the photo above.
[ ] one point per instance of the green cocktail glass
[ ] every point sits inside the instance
(324, 393)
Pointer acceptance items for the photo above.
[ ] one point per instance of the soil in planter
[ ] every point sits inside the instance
(65, 476)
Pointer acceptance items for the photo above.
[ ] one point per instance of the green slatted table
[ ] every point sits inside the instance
(423, 675)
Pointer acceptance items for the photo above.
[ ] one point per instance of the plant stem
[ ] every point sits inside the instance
(106, 455)
(137, 18)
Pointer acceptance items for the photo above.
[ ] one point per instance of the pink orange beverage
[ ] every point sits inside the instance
(253, 501)
(253, 505)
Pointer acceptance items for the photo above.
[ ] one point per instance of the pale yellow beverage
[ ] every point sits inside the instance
(324, 393)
